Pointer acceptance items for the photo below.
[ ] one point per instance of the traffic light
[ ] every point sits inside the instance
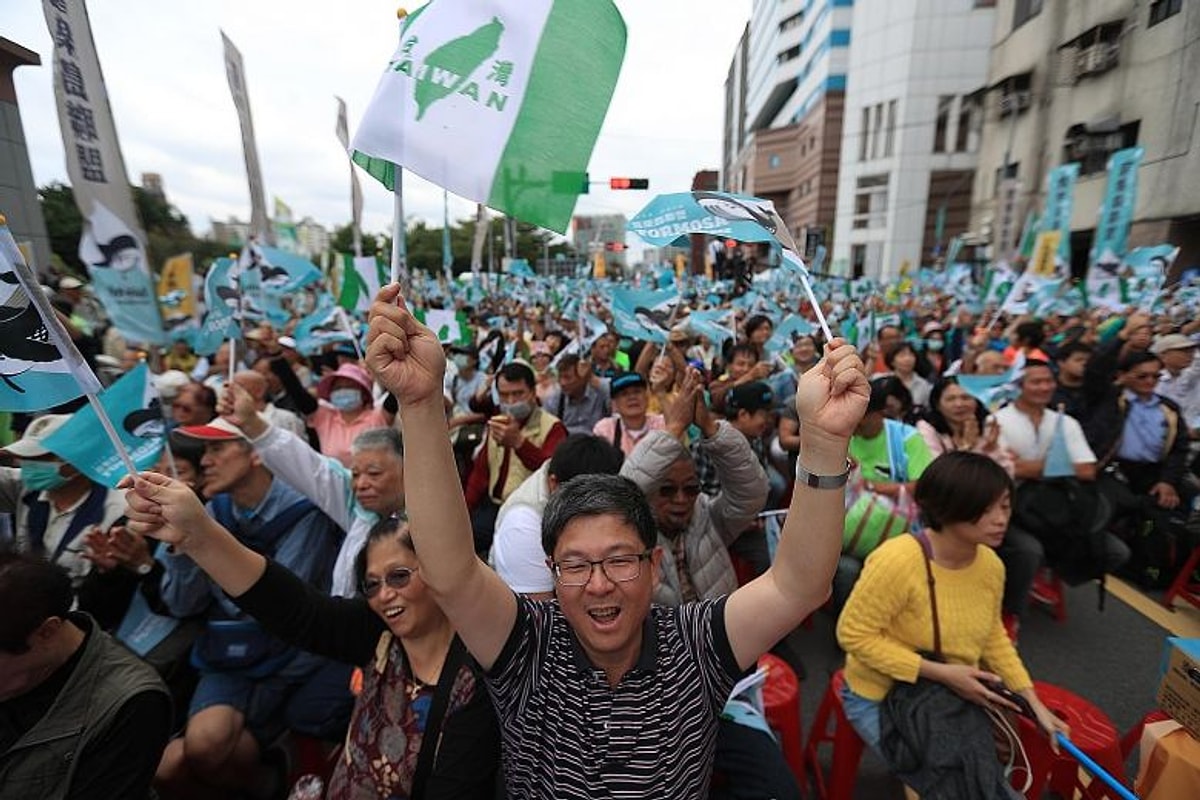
(629, 183)
(614, 247)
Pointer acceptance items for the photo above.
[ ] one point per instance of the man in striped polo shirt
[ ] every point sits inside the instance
(598, 692)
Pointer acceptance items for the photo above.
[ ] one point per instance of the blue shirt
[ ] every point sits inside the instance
(308, 550)
(1145, 430)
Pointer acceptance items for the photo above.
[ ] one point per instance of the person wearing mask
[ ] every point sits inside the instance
(80, 716)
(933, 351)
(519, 439)
(344, 406)
(53, 504)
(422, 725)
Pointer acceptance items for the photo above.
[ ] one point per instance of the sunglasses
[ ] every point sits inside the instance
(667, 491)
(396, 578)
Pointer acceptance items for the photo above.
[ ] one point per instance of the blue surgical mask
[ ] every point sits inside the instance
(346, 399)
(934, 344)
(462, 361)
(518, 411)
(42, 476)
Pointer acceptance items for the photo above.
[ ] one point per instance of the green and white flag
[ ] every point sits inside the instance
(498, 101)
(361, 278)
(451, 327)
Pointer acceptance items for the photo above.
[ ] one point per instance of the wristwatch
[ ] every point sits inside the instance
(807, 478)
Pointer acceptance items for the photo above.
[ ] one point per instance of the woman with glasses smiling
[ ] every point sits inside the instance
(422, 725)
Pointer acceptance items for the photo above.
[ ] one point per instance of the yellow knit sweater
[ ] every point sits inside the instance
(888, 619)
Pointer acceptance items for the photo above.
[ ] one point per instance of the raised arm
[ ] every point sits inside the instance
(830, 400)
(406, 358)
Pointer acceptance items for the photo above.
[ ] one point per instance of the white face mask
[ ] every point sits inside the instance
(346, 399)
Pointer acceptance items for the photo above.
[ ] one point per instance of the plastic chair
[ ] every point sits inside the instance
(1093, 732)
(781, 702)
(832, 727)
(1048, 590)
(1183, 586)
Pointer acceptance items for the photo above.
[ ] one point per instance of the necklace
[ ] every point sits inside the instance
(414, 686)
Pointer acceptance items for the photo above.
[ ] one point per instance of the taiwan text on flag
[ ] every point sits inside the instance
(135, 410)
(39, 367)
(735, 216)
(499, 102)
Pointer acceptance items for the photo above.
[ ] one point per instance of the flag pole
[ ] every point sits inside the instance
(79, 368)
(399, 231)
(344, 318)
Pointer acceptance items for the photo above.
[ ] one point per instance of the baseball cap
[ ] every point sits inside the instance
(69, 283)
(625, 380)
(287, 341)
(1172, 341)
(751, 397)
(30, 444)
(218, 430)
(931, 327)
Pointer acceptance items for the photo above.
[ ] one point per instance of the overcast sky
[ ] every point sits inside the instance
(162, 63)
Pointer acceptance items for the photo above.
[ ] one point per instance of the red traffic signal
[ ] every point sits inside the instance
(614, 247)
(629, 183)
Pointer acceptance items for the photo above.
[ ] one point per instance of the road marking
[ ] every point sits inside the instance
(1183, 621)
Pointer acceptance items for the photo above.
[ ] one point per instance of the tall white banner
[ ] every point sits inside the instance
(260, 224)
(113, 245)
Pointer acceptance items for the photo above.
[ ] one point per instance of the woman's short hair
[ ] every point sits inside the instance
(755, 322)
(393, 525)
(388, 439)
(596, 496)
(933, 414)
(889, 357)
(959, 486)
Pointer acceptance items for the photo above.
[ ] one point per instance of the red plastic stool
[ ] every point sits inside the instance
(1183, 586)
(1048, 590)
(1092, 732)
(781, 702)
(312, 757)
(831, 727)
(1041, 759)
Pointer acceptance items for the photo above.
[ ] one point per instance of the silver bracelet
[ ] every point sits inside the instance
(807, 478)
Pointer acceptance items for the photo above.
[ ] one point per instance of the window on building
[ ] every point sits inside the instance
(791, 22)
(871, 201)
(788, 55)
(968, 110)
(878, 128)
(889, 141)
(1092, 147)
(773, 161)
(1163, 9)
(858, 260)
(1025, 10)
(1005, 173)
(864, 136)
(942, 124)
(1015, 94)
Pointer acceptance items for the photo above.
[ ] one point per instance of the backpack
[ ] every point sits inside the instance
(1070, 518)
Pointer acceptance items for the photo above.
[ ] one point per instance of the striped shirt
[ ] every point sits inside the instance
(567, 734)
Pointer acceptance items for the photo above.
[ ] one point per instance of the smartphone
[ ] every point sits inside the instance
(1008, 694)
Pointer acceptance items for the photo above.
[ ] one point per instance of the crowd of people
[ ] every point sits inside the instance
(534, 561)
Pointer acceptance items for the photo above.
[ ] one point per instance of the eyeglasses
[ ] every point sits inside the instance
(396, 578)
(667, 491)
(618, 569)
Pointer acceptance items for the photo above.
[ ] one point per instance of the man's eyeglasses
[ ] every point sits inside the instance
(396, 578)
(667, 491)
(618, 569)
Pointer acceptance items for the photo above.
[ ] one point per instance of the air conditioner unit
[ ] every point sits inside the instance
(1095, 59)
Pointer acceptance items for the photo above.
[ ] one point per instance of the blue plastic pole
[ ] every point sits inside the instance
(1096, 770)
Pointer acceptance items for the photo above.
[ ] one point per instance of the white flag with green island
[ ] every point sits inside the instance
(498, 101)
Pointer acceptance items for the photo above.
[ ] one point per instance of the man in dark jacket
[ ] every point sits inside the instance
(80, 716)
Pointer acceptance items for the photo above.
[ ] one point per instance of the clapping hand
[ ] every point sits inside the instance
(404, 355)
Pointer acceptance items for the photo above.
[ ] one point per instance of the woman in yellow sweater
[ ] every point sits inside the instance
(965, 501)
